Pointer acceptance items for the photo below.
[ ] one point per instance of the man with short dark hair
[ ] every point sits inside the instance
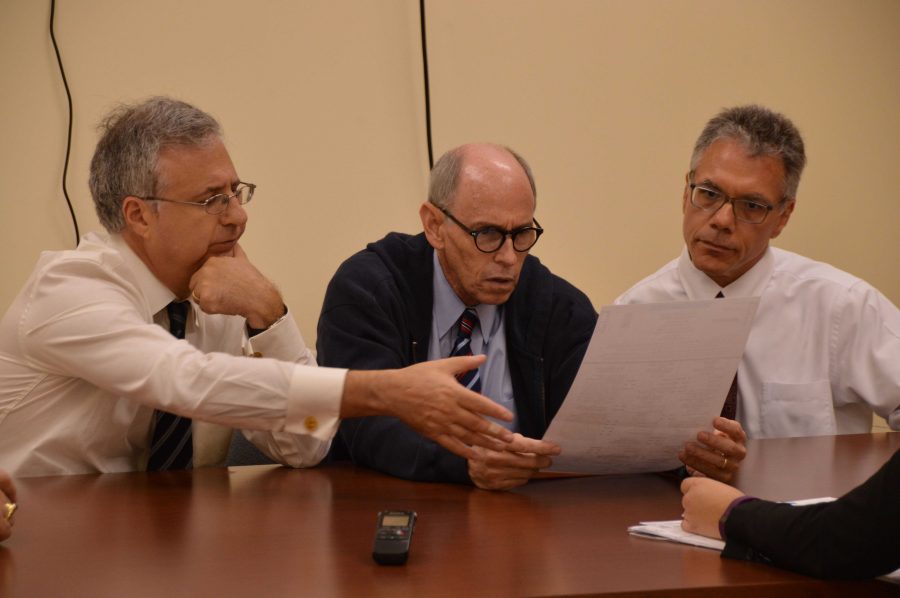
(824, 349)
(133, 351)
(466, 284)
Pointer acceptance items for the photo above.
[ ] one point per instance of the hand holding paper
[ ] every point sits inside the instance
(652, 376)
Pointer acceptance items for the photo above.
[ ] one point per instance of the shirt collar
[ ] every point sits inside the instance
(157, 295)
(448, 306)
(700, 286)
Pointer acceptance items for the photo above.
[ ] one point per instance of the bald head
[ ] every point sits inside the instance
(479, 189)
(474, 162)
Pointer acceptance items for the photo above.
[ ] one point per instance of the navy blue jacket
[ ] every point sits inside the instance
(377, 315)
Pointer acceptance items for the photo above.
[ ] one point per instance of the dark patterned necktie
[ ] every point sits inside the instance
(463, 346)
(729, 409)
(172, 443)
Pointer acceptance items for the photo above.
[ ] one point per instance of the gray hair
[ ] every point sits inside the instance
(763, 132)
(125, 161)
(445, 176)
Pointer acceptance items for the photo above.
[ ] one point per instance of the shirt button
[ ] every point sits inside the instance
(311, 423)
(256, 354)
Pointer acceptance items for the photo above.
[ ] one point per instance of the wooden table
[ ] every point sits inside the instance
(271, 531)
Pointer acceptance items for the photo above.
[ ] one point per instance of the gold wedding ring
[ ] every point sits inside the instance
(9, 510)
(724, 463)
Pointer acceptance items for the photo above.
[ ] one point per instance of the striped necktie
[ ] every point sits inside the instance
(172, 445)
(463, 346)
(729, 409)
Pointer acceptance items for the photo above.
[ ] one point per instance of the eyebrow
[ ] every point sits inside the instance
(213, 191)
(754, 197)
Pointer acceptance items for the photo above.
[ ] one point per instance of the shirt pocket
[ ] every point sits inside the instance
(797, 409)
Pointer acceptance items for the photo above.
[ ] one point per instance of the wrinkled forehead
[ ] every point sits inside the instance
(205, 163)
(493, 180)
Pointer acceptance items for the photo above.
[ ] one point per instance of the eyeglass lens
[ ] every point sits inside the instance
(219, 203)
(744, 209)
(491, 239)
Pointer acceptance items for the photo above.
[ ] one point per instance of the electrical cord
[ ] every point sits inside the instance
(69, 134)
(427, 86)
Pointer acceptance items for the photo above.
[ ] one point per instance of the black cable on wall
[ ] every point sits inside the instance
(69, 134)
(62, 72)
(427, 87)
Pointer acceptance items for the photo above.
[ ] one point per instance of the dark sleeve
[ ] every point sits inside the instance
(572, 326)
(362, 327)
(854, 537)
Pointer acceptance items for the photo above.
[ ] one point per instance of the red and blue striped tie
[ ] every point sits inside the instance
(463, 346)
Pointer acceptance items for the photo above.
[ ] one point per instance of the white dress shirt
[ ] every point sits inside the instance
(824, 350)
(85, 360)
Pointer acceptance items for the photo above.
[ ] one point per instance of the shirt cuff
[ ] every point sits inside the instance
(251, 332)
(282, 340)
(738, 501)
(314, 401)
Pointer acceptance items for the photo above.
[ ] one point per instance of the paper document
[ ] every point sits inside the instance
(671, 530)
(653, 376)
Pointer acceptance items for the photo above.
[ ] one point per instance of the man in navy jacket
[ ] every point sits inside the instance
(401, 300)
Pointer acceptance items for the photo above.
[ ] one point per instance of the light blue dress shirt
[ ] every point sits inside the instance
(488, 338)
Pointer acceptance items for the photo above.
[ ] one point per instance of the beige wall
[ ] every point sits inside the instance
(322, 106)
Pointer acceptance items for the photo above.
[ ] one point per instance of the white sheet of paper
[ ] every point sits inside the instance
(672, 532)
(653, 376)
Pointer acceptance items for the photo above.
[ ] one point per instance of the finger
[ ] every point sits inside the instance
(732, 428)
(703, 455)
(476, 403)
(508, 460)
(489, 482)
(479, 440)
(196, 279)
(498, 478)
(523, 444)
(707, 463)
(724, 446)
(7, 488)
(465, 415)
(454, 445)
(716, 442)
(688, 483)
(458, 365)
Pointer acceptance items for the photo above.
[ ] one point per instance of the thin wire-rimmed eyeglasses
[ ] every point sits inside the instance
(750, 211)
(490, 238)
(218, 203)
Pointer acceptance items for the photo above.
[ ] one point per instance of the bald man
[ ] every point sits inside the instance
(404, 299)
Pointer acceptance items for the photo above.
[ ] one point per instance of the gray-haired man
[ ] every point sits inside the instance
(824, 349)
(132, 351)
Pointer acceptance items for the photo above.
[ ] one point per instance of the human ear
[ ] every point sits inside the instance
(783, 218)
(686, 196)
(137, 215)
(432, 219)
